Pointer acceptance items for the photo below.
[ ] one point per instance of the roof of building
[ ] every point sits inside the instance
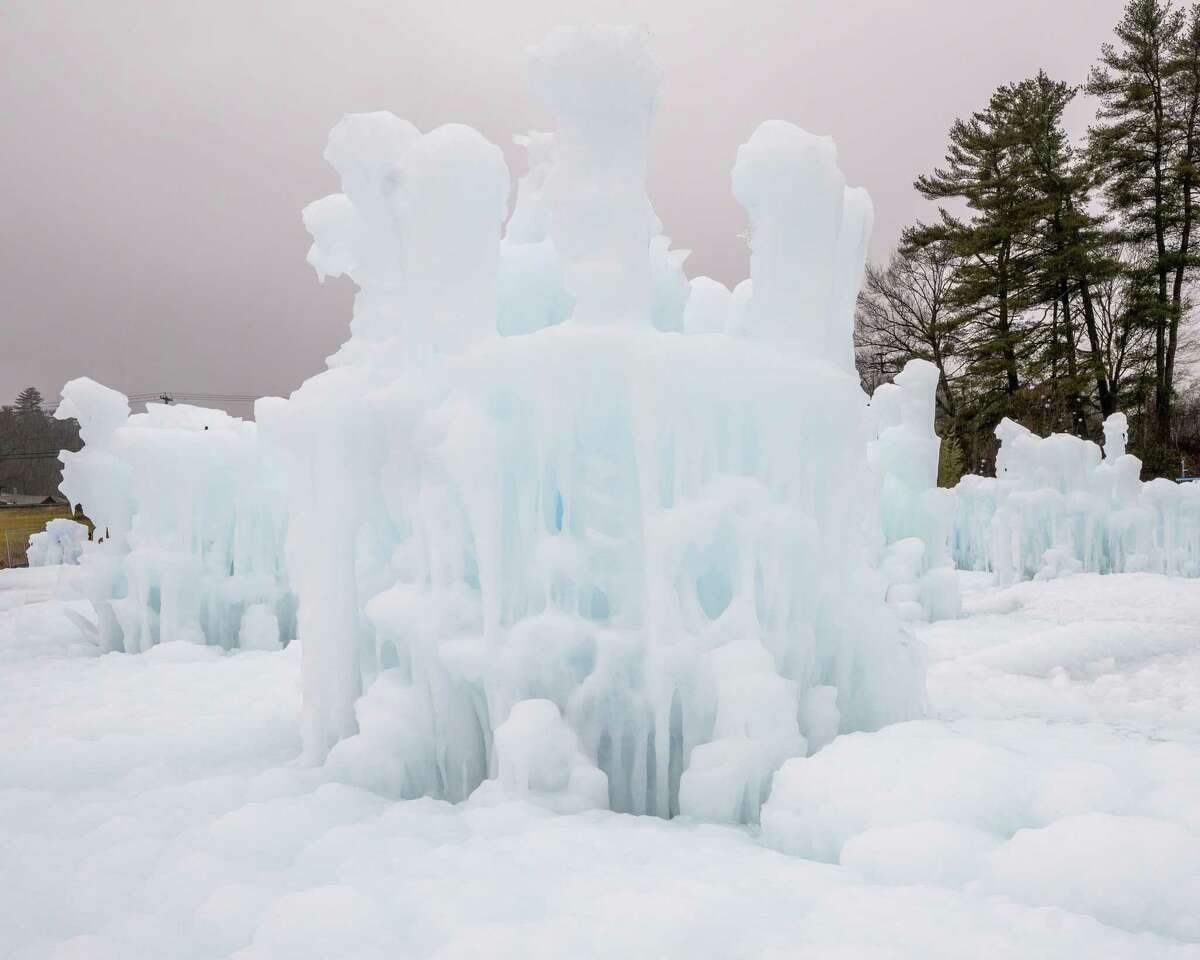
(29, 499)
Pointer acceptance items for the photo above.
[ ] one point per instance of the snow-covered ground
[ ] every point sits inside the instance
(1049, 807)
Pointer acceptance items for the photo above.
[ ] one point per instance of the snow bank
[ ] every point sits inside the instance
(1058, 505)
(1038, 815)
(150, 806)
(61, 542)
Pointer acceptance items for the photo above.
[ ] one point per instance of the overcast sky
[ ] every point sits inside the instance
(156, 154)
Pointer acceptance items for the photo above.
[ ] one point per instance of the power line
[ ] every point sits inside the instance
(202, 396)
(46, 455)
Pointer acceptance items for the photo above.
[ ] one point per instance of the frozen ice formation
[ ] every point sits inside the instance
(1057, 505)
(1060, 505)
(539, 761)
(555, 523)
(915, 514)
(188, 518)
(61, 542)
(621, 543)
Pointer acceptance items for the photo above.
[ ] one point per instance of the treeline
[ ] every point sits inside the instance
(30, 439)
(1054, 285)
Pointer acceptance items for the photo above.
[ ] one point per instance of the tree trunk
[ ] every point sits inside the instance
(1006, 350)
(1074, 400)
(1103, 393)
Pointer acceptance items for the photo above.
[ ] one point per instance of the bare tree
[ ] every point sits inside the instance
(904, 311)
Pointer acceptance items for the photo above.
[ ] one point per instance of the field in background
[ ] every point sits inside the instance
(16, 525)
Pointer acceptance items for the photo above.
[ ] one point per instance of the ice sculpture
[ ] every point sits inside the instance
(187, 518)
(1057, 505)
(915, 514)
(61, 542)
(659, 535)
(558, 523)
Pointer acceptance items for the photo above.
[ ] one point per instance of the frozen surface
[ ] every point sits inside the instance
(1059, 505)
(1061, 765)
(151, 806)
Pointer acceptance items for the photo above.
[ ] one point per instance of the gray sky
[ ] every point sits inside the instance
(155, 154)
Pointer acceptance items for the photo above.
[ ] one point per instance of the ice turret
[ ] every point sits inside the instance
(600, 83)
(808, 240)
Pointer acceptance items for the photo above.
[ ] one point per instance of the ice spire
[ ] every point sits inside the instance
(600, 83)
(809, 235)
(417, 228)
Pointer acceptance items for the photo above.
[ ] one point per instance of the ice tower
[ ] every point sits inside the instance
(637, 553)
(916, 515)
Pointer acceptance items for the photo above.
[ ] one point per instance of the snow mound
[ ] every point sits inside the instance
(1046, 818)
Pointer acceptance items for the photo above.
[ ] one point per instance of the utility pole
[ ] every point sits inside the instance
(165, 398)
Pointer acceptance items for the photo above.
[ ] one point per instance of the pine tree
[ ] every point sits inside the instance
(1074, 249)
(983, 168)
(1145, 145)
(29, 401)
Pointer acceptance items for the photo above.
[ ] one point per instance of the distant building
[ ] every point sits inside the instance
(30, 499)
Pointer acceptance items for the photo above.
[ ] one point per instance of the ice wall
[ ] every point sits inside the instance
(632, 508)
(1059, 505)
(187, 518)
(915, 514)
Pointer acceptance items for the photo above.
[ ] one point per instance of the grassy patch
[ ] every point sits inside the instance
(16, 525)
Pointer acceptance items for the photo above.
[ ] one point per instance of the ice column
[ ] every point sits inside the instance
(916, 515)
(95, 476)
(418, 228)
(600, 83)
(1116, 435)
(531, 293)
(355, 232)
(451, 207)
(808, 237)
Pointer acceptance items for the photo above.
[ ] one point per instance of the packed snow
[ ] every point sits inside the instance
(152, 805)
